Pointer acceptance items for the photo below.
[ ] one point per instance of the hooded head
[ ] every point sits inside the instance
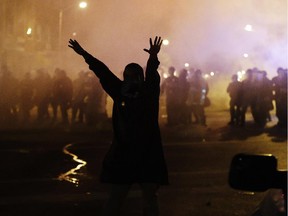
(133, 79)
(133, 73)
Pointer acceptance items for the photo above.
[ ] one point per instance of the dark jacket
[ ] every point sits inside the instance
(136, 153)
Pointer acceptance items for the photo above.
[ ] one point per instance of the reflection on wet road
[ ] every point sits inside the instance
(71, 175)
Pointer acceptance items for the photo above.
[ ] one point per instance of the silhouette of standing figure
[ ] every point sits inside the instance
(197, 95)
(280, 96)
(62, 94)
(233, 90)
(136, 154)
(170, 86)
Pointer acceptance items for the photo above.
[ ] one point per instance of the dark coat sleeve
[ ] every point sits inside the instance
(109, 81)
(152, 77)
(152, 82)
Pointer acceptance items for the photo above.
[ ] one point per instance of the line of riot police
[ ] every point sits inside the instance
(186, 97)
(48, 95)
(257, 92)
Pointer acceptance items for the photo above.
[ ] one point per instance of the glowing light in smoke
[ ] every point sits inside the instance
(74, 34)
(186, 65)
(212, 73)
(83, 4)
(245, 55)
(194, 32)
(165, 42)
(29, 31)
(240, 75)
(206, 76)
(165, 75)
(248, 27)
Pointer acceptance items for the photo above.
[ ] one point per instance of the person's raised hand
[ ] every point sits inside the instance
(154, 47)
(76, 46)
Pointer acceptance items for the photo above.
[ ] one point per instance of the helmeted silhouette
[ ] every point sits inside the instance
(233, 90)
(280, 96)
(170, 87)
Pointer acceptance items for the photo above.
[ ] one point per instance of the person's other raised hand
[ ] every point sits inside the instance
(76, 47)
(154, 46)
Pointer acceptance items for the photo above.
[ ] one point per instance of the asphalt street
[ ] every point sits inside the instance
(56, 171)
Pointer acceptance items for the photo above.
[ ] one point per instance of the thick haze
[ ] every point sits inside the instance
(208, 34)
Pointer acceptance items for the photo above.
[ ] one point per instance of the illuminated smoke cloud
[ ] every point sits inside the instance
(208, 34)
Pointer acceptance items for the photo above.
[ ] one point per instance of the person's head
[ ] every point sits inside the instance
(234, 78)
(198, 73)
(133, 79)
(41, 72)
(279, 70)
(265, 74)
(63, 73)
(259, 75)
(133, 73)
(171, 71)
(183, 74)
(249, 74)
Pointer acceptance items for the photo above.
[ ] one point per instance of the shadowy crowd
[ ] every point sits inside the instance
(186, 97)
(257, 93)
(56, 99)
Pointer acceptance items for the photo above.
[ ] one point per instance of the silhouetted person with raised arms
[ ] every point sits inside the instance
(136, 154)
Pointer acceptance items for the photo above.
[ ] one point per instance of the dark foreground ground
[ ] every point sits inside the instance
(55, 171)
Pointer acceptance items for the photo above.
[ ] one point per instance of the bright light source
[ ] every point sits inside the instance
(206, 76)
(248, 27)
(74, 34)
(29, 31)
(165, 42)
(83, 4)
(212, 73)
(245, 55)
(240, 75)
(186, 65)
(165, 75)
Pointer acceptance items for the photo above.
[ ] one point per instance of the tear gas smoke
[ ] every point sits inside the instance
(207, 34)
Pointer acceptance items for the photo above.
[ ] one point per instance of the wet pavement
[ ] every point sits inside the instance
(56, 172)
(42, 177)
